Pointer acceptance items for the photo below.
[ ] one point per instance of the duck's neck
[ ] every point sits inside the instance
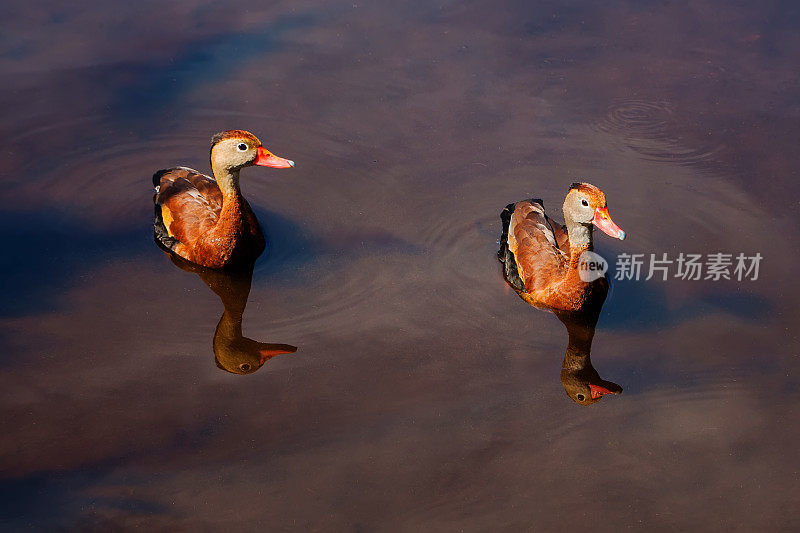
(232, 213)
(575, 360)
(226, 338)
(580, 235)
(227, 180)
(229, 327)
(580, 240)
(579, 346)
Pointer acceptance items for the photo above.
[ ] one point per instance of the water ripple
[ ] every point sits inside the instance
(648, 128)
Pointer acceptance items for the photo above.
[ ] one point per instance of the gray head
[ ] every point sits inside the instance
(236, 149)
(586, 204)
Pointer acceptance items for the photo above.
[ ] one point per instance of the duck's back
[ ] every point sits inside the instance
(529, 247)
(188, 204)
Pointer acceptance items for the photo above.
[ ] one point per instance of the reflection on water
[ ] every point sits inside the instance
(233, 352)
(580, 379)
(424, 397)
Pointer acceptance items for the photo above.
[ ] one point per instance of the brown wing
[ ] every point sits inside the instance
(190, 203)
(531, 240)
(560, 233)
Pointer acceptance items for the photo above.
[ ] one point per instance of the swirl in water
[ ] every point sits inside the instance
(648, 129)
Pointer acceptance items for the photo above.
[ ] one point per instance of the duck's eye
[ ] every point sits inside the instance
(242, 147)
(584, 203)
(581, 397)
(244, 367)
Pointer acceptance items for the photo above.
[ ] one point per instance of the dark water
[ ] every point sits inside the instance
(424, 394)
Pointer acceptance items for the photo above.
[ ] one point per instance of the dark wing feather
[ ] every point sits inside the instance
(504, 254)
(560, 233)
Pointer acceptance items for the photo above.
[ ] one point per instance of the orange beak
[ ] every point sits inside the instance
(267, 354)
(598, 391)
(265, 159)
(603, 221)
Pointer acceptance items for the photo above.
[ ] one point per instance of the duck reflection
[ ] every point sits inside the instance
(541, 261)
(233, 351)
(581, 381)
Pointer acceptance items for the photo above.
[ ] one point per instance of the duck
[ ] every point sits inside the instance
(541, 260)
(237, 354)
(580, 379)
(233, 352)
(541, 257)
(206, 220)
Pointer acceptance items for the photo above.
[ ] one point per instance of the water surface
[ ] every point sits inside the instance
(424, 394)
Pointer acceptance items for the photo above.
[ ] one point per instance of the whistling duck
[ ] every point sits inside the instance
(207, 220)
(233, 352)
(238, 354)
(541, 257)
(581, 381)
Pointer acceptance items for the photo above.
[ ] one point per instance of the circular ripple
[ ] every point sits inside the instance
(463, 256)
(648, 128)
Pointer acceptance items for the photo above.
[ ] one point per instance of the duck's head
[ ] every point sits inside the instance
(585, 386)
(236, 149)
(586, 204)
(248, 356)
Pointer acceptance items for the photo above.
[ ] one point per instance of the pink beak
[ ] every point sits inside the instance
(266, 159)
(603, 221)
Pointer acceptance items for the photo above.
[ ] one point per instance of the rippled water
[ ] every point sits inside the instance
(424, 393)
(648, 129)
